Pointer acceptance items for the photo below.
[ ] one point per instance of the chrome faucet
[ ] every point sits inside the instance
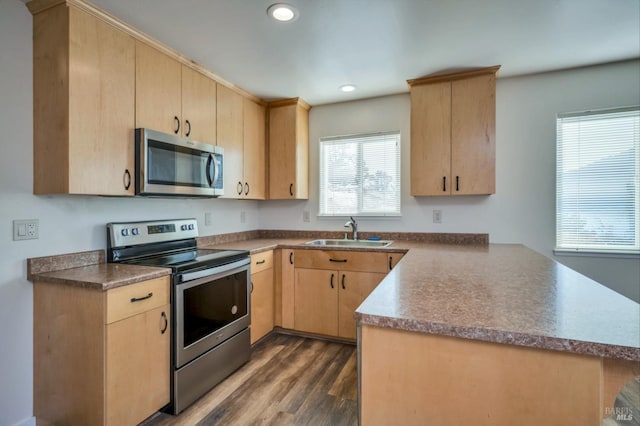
(354, 227)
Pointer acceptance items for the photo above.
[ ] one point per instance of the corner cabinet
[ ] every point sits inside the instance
(241, 132)
(289, 149)
(453, 133)
(84, 92)
(101, 357)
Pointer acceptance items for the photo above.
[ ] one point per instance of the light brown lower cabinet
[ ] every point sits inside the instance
(101, 357)
(262, 295)
(329, 285)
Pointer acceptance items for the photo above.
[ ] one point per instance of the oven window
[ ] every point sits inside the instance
(213, 305)
(175, 165)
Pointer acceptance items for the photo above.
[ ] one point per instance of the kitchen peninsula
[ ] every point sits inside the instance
(483, 333)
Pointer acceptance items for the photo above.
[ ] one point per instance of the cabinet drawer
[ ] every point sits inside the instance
(261, 261)
(123, 302)
(341, 260)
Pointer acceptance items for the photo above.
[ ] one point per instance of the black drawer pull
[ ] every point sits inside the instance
(338, 260)
(260, 262)
(166, 323)
(390, 262)
(138, 299)
(444, 183)
(457, 183)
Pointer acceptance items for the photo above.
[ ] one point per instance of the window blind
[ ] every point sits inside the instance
(360, 175)
(597, 181)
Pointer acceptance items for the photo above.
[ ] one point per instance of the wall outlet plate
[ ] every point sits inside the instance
(306, 217)
(26, 229)
(437, 216)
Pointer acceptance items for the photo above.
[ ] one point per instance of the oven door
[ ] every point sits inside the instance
(210, 306)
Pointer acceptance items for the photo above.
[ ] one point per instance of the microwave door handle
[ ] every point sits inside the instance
(211, 165)
(216, 170)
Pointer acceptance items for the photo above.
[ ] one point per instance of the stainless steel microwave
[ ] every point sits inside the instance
(170, 165)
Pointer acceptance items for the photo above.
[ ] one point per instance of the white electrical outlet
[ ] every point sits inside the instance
(207, 218)
(26, 229)
(437, 216)
(243, 217)
(305, 216)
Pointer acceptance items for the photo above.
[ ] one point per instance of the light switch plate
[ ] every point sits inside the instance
(26, 229)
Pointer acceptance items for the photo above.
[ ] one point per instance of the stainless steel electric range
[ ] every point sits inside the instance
(210, 301)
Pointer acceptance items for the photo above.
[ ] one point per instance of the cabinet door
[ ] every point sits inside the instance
(254, 150)
(394, 258)
(354, 288)
(431, 139)
(473, 109)
(137, 366)
(198, 106)
(101, 107)
(316, 301)
(229, 131)
(289, 152)
(287, 282)
(158, 90)
(262, 304)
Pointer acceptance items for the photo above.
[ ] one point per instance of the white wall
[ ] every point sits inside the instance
(523, 208)
(67, 223)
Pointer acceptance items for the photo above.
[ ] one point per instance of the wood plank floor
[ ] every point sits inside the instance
(290, 380)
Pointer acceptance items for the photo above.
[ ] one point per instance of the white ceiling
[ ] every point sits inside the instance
(379, 44)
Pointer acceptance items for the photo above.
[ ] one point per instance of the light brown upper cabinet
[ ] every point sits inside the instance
(453, 133)
(84, 83)
(289, 149)
(254, 150)
(241, 132)
(173, 98)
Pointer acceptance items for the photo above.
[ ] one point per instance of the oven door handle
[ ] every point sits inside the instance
(217, 270)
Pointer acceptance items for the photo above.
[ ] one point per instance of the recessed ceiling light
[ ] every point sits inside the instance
(282, 12)
(347, 87)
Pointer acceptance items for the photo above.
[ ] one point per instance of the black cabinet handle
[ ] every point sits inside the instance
(260, 262)
(291, 258)
(246, 188)
(338, 260)
(331, 281)
(188, 127)
(177, 124)
(291, 189)
(239, 188)
(444, 183)
(390, 262)
(138, 299)
(343, 287)
(166, 322)
(126, 179)
(457, 183)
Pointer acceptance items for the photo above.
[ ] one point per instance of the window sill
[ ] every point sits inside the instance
(620, 254)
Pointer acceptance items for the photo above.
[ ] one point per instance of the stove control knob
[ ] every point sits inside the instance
(135, 231)
(183, 227)
(124, 232)
(191, 227)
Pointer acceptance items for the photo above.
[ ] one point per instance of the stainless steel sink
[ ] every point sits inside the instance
(349, 243)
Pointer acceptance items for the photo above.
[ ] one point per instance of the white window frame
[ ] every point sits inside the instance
(360, 211)
(577, 143)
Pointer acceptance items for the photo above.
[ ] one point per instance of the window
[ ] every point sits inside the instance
(597, 181)
(360, 175)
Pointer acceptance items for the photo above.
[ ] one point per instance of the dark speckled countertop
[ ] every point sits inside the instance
(498, 293)
(502, 293)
